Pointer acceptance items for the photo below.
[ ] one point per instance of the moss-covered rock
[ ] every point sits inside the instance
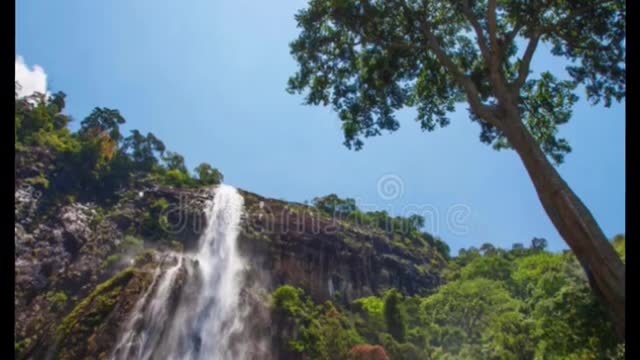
(91, 328)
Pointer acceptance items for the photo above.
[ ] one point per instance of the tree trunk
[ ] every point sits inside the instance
(574, 222)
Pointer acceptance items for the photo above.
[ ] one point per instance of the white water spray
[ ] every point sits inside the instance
(191, 310)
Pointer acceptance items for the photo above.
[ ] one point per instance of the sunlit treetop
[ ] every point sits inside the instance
(368, 59)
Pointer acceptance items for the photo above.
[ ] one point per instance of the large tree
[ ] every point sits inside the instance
(368, 59)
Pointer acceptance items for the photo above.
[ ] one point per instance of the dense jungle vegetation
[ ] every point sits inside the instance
(523, 303)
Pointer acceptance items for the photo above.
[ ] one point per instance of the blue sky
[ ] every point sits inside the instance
(209, 78)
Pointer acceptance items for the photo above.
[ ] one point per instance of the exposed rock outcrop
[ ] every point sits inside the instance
(75, 285)
(329, 258)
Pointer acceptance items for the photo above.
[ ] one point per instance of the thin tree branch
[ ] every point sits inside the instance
(471, 91)
(571, 16)
(581, 11)
(482, 40)
(496, 75)
(509, 38)
(523, 69)
(473, 96)
(493, 27)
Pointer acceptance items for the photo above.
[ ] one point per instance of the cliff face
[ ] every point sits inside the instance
(81, 267)
(330, 258)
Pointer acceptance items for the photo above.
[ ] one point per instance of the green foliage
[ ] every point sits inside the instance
(89, 314)
(538, 244)
(38, 114)
(129, 246)
(155, 223)
(102, 120)
(466, 256)
(21, 346)
(177, 179)
(131, 243)
(322, 332)
(548, 104)
(619, 245)
(174, 161)
(39, 181)
(510, 336)
(370, 59)
(539, 273)
(96, 162)
(339, 337)
(207, 175)
(110, 261)
(175, 173)
(369, 317)
(59, 141)
(289, 300)
(516, 304)
(617, 353)
(144, 258)
(335, 206)
(372, 305)
(488, 267)
(394, 315)
(58, 300)
(404, 231)
(469, 306)
(440, 246)
(569, 324)
(143, 150)
(400, 350)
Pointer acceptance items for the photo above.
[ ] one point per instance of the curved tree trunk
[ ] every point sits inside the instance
(574, 222)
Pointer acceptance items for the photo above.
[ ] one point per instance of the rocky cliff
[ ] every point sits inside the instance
(300, 246)
(80, 267)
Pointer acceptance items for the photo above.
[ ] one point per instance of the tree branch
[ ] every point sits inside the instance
(523, 70)
(509, 38)
(483, 111)
(572, 15)
(482, 41)
(583, 11)
(471, 91)
(496, 75)
(493, 28)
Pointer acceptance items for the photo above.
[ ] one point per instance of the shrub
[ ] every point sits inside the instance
(177, 179)
(207, 175)
(58, 300)
(131, 243)
(394, 315)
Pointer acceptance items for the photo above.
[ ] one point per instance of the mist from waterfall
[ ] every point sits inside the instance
(192, 309)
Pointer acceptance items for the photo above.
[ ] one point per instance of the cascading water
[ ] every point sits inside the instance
(192, 309)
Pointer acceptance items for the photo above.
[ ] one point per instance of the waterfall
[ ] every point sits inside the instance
(192, 308)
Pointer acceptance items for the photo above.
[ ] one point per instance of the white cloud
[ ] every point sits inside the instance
(30, 80)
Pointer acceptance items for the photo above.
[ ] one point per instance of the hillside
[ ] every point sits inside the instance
(100, 217)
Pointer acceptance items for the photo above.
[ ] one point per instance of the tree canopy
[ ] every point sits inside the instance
(368, 59)
(96, 161)
(502, 305)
